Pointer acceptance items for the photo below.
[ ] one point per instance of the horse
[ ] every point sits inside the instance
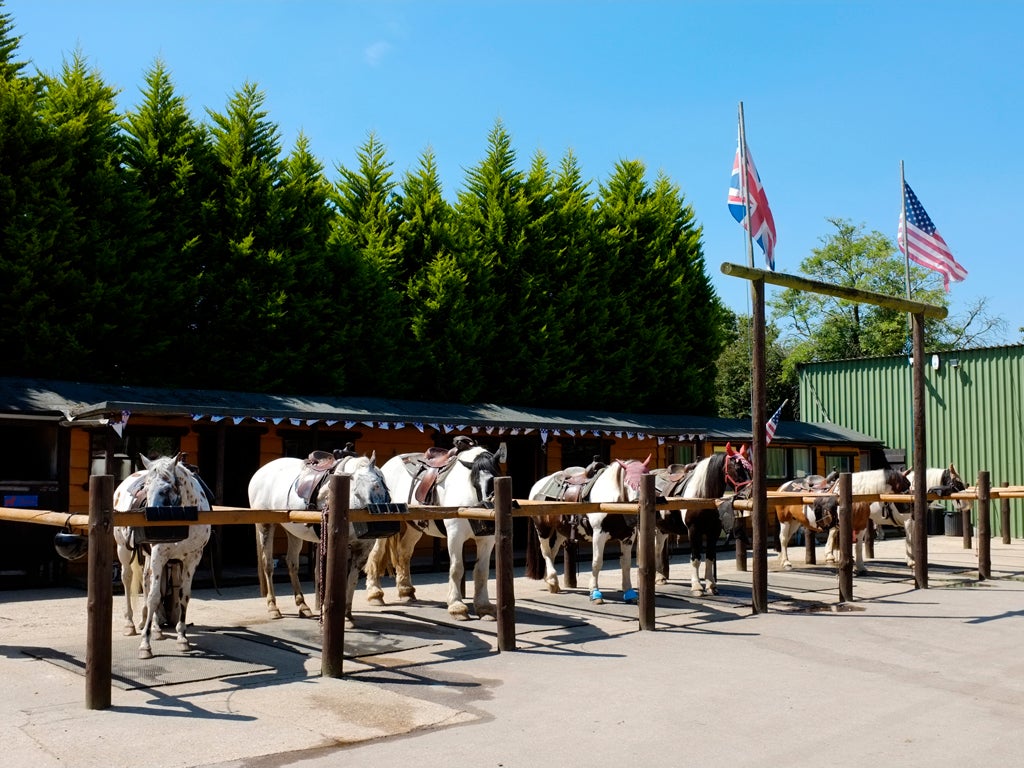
(819, 517)
(618, 482)
(710, 478)
(865, 482)
(292, 483)
(165, 482)
(461, 477)
(939, 480)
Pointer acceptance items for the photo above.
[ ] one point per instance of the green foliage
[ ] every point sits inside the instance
(733, 384)
(151, 249)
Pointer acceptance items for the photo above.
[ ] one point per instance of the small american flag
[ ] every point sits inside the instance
(762, 224)
(772, 425)
(925, 245)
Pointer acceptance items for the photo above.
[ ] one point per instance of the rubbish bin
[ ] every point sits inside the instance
(936, 520)
(954, 524)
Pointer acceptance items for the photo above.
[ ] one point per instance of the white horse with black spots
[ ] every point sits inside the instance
(278, 485)
(165, 482)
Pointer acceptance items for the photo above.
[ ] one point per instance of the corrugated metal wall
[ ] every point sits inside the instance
(973, 410)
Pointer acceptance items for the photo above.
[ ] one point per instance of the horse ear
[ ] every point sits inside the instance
(145, 462)
(743, 450)
(647, 461)
(373, 458)
(728, 449)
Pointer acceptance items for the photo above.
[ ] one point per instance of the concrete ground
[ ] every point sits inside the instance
(897, 677)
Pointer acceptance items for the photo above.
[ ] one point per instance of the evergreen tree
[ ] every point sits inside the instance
(244, 278)
(169, 161)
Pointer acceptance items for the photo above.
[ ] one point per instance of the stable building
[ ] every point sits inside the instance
(55, 434)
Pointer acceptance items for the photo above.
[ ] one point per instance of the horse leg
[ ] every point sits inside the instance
(189, 564)
(696, 588)
(400, 550)
(457, 536)
(832, 544)
(124, 556)
(660, 563)
(629, 595)
(151, 593)
(265, 552)
(374, 568)
(482, 604)
(785, 534)
(292, 559)
(600, 540)
(908, 527)
(549, 548)
(359, 552)
(858, 551)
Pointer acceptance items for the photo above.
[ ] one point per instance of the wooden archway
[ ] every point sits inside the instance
(918, 311)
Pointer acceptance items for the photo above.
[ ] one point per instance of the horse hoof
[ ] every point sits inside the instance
(274, 613)
(458, 612)
(305, 613)
(787, 566)
(145, 653)
(407, 599)
(696, 591)
(379, 601)
(487, 616)
(130, 631)
(184, 645)
(661, 580)
(597, 597)
(712, 590)
(631, 596)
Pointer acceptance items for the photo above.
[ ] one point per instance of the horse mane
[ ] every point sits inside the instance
(705, 482)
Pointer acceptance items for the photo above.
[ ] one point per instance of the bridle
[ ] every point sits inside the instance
(741, 488)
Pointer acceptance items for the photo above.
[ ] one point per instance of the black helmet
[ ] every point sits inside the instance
(70, 545)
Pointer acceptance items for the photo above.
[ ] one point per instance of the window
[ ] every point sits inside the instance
(681, 453)
(840, 462)
(802, 463)
(775, 464)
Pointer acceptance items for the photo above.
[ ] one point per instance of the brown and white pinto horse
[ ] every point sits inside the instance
(714, 477)
(942, 481)
(865, 482)
(619, 482)
(819, 517)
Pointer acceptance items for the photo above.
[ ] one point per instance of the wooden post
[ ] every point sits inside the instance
(810, 548)
(759, 576)
(336, 577)
(100, 600)
(645, 552)
(869, 540)
(984, 526)
(741, 550)
(1004, 515)
(569, 559)
(845, 537)
(920, 523)
(965, 522)
(503, 564)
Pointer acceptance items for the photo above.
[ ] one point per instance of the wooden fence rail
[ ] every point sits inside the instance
(101, 520)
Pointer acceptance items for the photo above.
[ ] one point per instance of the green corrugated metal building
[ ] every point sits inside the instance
(973, 405)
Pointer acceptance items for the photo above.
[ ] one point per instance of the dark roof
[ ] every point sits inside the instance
(75, 401)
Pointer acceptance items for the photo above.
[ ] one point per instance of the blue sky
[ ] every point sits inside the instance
(835, 95)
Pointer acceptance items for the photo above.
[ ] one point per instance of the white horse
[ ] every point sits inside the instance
(279, 485)
(619, 482)
(946, 479)
(464, 479)
(165, 482)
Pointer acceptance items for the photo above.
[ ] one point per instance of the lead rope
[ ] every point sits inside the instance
(322, 564)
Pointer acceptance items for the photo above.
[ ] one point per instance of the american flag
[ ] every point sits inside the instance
(762, 225)
(772, 425)
(924, 243)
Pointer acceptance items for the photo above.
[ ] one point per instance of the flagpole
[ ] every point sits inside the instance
(743, 189)
(903, 218)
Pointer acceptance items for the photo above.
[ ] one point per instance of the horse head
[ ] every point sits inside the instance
(737, 469)
(162, 484)
(368, 485)
(483, 467)
(632, 471)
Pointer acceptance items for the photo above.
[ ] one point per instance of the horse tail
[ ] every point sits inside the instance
(390, 556)
(534, 559)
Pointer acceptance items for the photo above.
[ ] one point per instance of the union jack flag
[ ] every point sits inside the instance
(762, 224)
(924, 243)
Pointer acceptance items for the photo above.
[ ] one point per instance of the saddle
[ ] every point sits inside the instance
(670, 481)
(574, 483)
(315, 470)
(431, 466)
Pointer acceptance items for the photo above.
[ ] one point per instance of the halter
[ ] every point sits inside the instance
(740, 487)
